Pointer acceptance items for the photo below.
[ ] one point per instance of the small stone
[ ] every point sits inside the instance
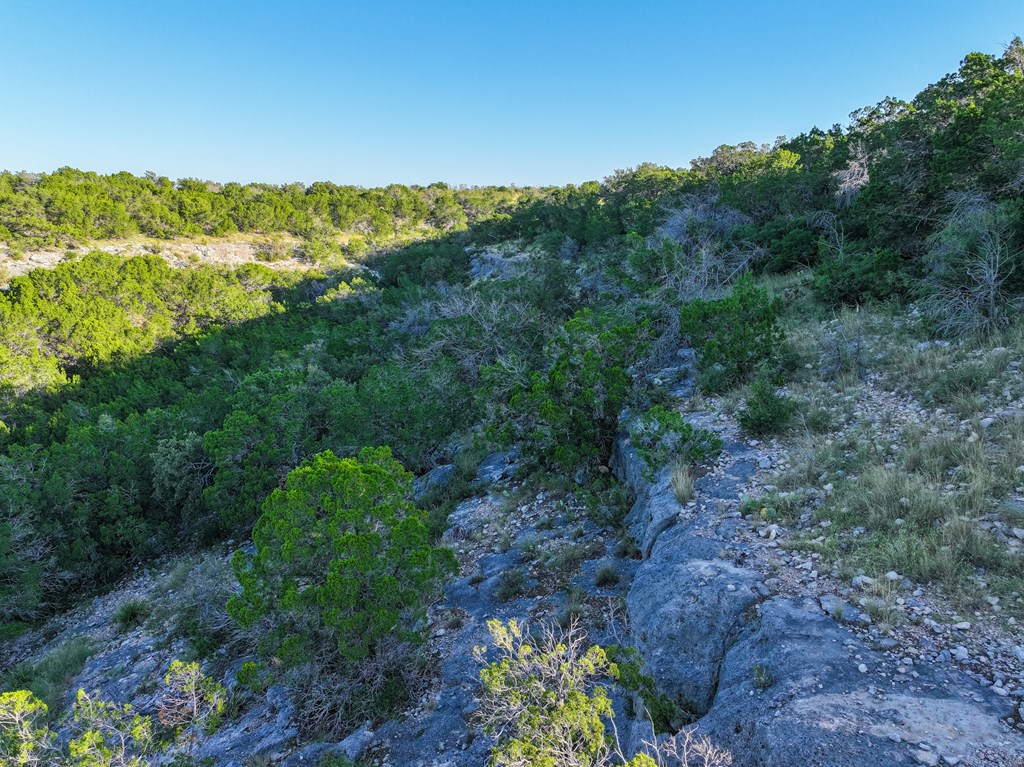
(1018, 533)
(987, 422)
(962, 626)
(892, 575)
(1000, 691)
(927, 757)
(862, 668)
(862, 581)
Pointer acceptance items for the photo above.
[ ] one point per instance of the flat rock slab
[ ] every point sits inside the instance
(814, 706)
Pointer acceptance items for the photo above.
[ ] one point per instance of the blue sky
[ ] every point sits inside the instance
(465, 92)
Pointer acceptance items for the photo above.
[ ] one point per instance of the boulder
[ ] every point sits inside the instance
(496, 467)
(438, 477)
(685, 615)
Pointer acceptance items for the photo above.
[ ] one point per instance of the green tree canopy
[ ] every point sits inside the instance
(342, 556)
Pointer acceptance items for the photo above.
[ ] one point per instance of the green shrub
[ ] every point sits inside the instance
(24, 737)
(788, 242)
(534, 723)
(607, 502)
(424, 263)
(12, 630)
(773, 506)
(131, 613)
(734, 335)
(190, 698)
(660, 435)
(545, 699)
(342, 558)
(253, 676)
(567, 416)
(765, 410)
(858, 274)
(106, 733)
(662, 712)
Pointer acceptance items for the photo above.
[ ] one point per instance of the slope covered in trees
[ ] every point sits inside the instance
(69, 206)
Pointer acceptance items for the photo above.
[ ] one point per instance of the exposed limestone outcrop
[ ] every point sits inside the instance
(775, 679)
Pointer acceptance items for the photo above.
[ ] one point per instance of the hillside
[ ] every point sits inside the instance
(287, 469)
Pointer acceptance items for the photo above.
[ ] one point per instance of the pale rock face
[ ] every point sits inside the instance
(702, 625)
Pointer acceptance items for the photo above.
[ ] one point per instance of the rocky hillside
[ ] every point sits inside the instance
(759, 640)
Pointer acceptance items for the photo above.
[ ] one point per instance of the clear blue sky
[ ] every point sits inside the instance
(472, 92)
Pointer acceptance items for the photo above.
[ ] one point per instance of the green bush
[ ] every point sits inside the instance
(24, 737)
(342, 558)
(190, 698)
(607, 502)
(106, 734)
(734, 335)
(131, 613)
(859, 274)
(535, 722)
(663, 713)
(425, 263)
(252, 676)
(788, 242)
(765, 410)
(660, 435)
(567, 416)
(546, 700)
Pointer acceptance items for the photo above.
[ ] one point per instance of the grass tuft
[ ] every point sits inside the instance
(681, 482)
(131, 613)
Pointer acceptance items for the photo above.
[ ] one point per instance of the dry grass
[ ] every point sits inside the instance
(50, 677)
(682, 482)
(916, 500)
(920, 517)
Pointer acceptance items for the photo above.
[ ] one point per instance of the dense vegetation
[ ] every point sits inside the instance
(142, 405)
(70, 206)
